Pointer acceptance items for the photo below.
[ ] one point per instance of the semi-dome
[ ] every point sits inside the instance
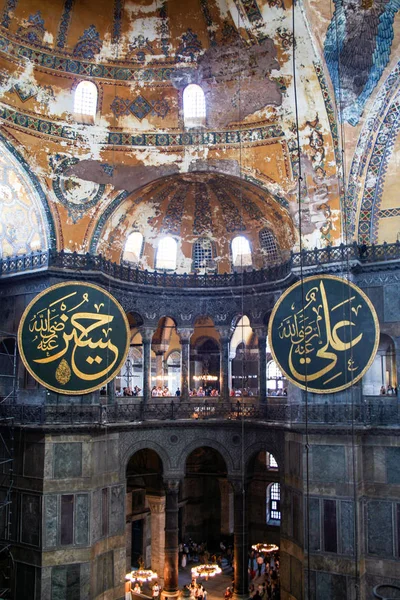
(200, 206)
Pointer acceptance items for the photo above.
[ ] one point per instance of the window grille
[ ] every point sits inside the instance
(85, 99)
(194, 106)
(268, 244)
(203, 254)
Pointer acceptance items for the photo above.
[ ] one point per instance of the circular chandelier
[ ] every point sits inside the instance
(206, 571)
(265, 548)
(205, 378)
(141, 575)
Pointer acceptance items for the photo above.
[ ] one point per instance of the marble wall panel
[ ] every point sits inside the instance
(117, 510)
(67, 460)
(328, 464)
(82, 519)
(30, 519)
(380, 528)
(50, 520)
(393, 465)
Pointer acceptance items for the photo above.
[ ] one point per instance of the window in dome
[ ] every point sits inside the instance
(133, 247)
(166, 254)
(241, 253)
(203, 255)
(85, 99)
(194, 106)
(268, 244)
(273, 504)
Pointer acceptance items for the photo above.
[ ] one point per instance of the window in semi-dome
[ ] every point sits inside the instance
(194, 106)
(133, 247)
(166, 254)
(85, 99)
(203, 255)
(241, 253)
(268, 244)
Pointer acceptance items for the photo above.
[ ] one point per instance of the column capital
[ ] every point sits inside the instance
(147, 334)
(185, 333)
(224, 332)
(172, 485)
(261, 331)
(156, 504)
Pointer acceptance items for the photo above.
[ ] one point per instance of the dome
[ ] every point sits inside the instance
(199, 206)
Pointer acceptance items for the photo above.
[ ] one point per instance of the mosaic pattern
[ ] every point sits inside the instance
(209, 138)
(189, 48)
(164, 29)
(209, 22)
(89, 44)
(139, 48)
(173, 216)
(366, 144)
(386, 213)
(202, 223)
(23, 228)
(230, 213)
(360, 45)
(75, 194)
(33, 30)
(64, 23)
(8, 8)
(285, 37)
(378, 164)
(140, 107)
(252, 12)
(329, 111)
(25, 92)
(116, 33)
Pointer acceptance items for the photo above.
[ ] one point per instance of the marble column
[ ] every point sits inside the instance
(147, 336)
(240, 540)
(157, 509)
(171, 564)
(159, 367)
(224, 361)
(262, 362)
(227, 525)
(184, 336)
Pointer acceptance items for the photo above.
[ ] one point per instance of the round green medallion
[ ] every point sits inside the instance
(74, 337)
(324, 334)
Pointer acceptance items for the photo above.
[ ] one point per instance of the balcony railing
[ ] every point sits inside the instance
(374, 413)
(352, 254)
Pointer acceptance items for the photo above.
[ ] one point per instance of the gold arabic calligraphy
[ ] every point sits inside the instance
(56, 332)
(312, 335)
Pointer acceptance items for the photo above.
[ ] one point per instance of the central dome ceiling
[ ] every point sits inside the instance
(192, 206)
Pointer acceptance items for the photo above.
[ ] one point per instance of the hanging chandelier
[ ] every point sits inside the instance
(265, 548)
(206, 571)
(141, 575)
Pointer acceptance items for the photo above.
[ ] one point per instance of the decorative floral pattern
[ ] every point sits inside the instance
(64, 23)
(189, 48)
(173, 216)
(140, 107)
(33, 30)
(89, 44)
(202, 223)
(10, 5)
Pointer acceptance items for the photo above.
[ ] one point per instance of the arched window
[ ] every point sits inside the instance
(274, 504)
(271, 462)
(203, 255)
(166, 254)
(85, 99)
(275, 379)
(133, 247)
(241, 253)
(194, 106)
(268, 244)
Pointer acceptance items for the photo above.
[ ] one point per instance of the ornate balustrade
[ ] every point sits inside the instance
(371, 413)
(352, 253)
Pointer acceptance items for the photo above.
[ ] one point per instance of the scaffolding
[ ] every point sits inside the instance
(8, 395)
